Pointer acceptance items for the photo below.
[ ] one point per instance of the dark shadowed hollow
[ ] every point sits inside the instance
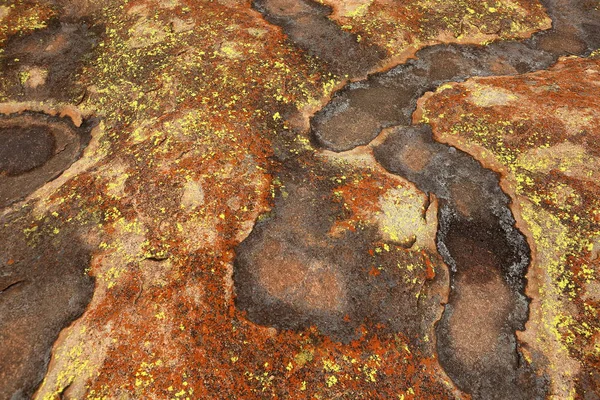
(24, 148)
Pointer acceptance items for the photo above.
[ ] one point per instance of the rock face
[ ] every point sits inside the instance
(36, 148)
(541, 138)
(43, 288)
(237, 199)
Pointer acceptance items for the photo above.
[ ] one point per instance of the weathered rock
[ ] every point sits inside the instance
(541, 140)
(36, 148)
(204, 110)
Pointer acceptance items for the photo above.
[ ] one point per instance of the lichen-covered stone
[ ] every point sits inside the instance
(543, 140)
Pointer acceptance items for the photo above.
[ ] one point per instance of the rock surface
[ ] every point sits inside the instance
(174, 224)
(539, 131)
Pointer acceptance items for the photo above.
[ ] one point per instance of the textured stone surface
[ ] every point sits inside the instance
(200, 241)
(36, 148)
(542, 139)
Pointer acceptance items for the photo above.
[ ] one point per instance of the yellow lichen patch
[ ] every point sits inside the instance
(34, 77)
(552, 243)
(575, 120)
(4, 10)
(303, 357)
(75, 360)
(330, 366)
(116, 175)
(229, 50)
(331, 380)
(403, 217)
(117, 254)
(356, 8)
(110, 276)
(146, 33)
(546, 147)
(571, 159)
(144, 374)
(193, 195)
(489, 96)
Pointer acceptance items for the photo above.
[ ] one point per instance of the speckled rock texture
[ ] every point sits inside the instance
(303, 199)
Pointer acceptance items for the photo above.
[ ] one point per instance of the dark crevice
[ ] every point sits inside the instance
(11, 286)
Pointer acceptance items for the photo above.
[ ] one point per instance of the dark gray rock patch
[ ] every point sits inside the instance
(43, 288)
(307, 25)
(24, 149)
(292, 273)
(59, 51)
(36, 148)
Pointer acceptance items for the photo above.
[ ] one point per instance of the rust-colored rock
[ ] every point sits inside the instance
(541, 138)
(205, 245)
